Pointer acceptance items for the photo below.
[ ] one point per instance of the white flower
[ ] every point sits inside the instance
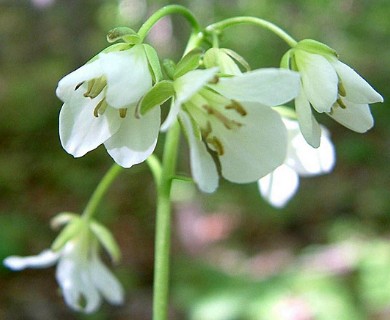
(331, 87)
(229, 124)
(99, 107)
(82, 276)
(279, 186)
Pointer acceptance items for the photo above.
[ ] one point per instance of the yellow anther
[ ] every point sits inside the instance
(216, 145)
(341, 103)
(341, 89)
(228, 123)
(237, 107)
(206, 131)
(100, 108)
(214, 80)
(123, 112)
(95, 87)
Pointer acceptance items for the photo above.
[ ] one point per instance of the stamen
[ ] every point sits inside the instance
(229, 124)
(89, 89)
(123, 112)
(237, 107)
(95, 87)
(206, 131)
(338, 104)
(216, 145)
(341, 89)
(100, 108)
(214, 80)
(341, 103)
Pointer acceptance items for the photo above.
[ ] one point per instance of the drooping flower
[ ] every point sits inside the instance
(329, 86)
(229, 122)
(99, 107)
(82, 276)
(303, 160)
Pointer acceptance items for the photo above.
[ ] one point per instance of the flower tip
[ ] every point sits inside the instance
(14, 263)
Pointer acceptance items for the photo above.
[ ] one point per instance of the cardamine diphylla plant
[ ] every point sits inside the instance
(235, 120)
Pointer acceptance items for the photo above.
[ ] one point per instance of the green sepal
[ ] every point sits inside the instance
(240, 59)
(211, 58)
(169, 68)
(316, 47)
(123, 33)
(67, 233)
(113, 48)
(285, 63)
(188, 63)
(156, 96)
(117, 47)
(107, 240)
(154, 62)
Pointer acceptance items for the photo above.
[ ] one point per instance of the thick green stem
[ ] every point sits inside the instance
(165, 11)
(224, 24)
(100, 190)
(163, 225)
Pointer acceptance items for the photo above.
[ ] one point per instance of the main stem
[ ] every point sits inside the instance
(163, 225)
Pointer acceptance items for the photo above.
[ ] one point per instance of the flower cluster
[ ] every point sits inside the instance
(237, 122)
(227, 115)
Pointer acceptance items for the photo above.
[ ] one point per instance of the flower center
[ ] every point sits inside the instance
(94, 88)
(209, 110)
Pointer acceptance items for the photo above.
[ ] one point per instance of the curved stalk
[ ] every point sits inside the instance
(165, 11)
(100, 191)
(224, 24)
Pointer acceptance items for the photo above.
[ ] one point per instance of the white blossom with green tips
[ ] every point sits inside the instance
(100, 100)
(329, 86)
(303, 160)
(82, 276)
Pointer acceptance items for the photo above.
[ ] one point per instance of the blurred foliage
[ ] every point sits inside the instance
(325, 256)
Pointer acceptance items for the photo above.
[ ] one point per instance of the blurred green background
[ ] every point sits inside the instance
(325, 256)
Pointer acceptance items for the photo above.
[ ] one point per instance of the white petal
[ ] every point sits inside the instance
(357, 89)
(73, 276)
(136, 138)
(185, 87)
(308, 124)
(190, 83)
(308, 161)
(279, 186)
(80, 130)
(270, 87)
(105, 282)
(45, 259)
(319, 79)
(128, 76)
(256, 148)
(356, 117)
(172, 115)
(67, 85)
(203, 168)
